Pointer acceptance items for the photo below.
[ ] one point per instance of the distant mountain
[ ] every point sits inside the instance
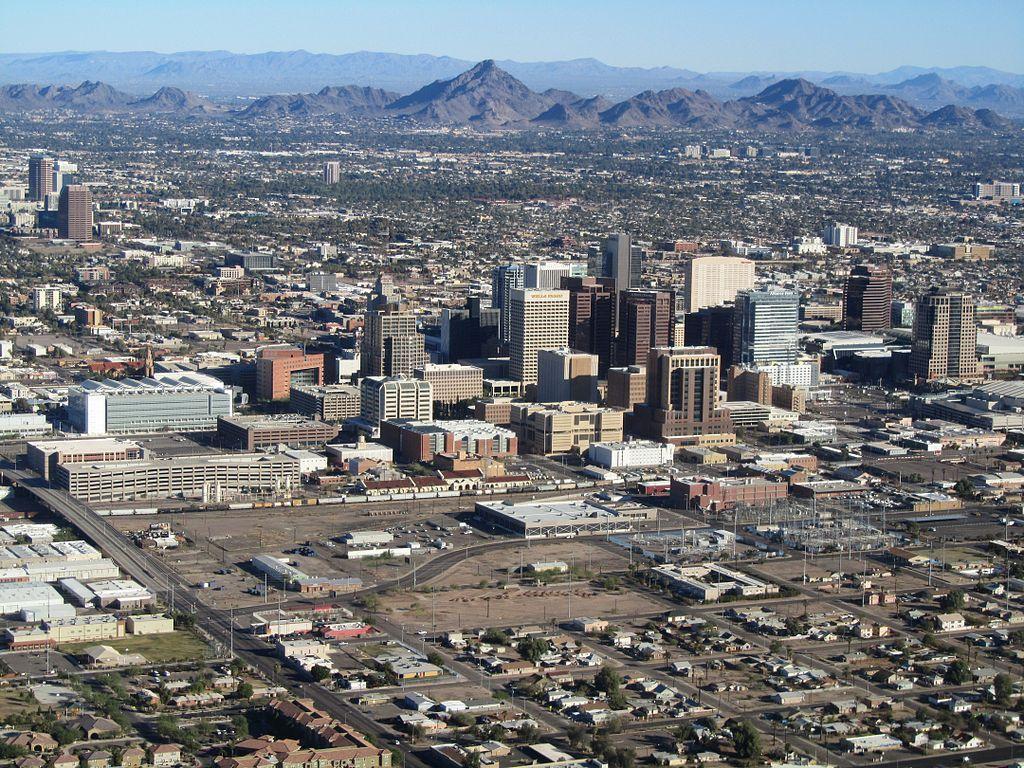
(485, 95)
(87, 97)
(930, 91)
(224, 75)
(488, 97)
(351, 100)
(174, 100)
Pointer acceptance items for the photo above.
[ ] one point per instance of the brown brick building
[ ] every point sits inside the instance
(280, 368)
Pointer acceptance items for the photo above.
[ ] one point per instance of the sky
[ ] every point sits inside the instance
(704, 35)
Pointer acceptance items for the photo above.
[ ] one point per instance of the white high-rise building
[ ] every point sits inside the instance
(839, 235)
(548, 274)
(538, 319)
(396, 397)
(47, 297)
(715, 280)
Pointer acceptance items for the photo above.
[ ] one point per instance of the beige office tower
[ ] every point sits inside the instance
(945, 337)
(715, 280)
(566, 374)
(538, 319)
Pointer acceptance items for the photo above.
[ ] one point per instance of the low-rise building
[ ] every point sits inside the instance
(249, 433)
(631, 453)
(564, 427)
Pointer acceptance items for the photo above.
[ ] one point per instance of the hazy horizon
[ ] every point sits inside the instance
(732, 36)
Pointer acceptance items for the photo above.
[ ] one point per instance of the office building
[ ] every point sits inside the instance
(566, 374)
(23, 425)
(630, 454)
(616, 257)
(331, 172)
(839, 235)
(568, 427)
(74, 213)
(963, 248)
(64, 173)
(470, 332)
(44, 457)
(548, 275)
(322, 282)
(384, 398)
(391, 345)
(626, 386)
(452, 382)
(47, 298)
(250, 433)
(1000, 191)
(711, 327)
(646, 320)
(715, 280)
(539, 320)
(592, 313)
(867, 298)
(181, 402)
(682, 403)
(331, 402)
(40, 177)
(422, 440)
(765, 326)
(505, 279)
(945, 337)
(88, 316)
(722, 493)
(210, 478)
(279, 368)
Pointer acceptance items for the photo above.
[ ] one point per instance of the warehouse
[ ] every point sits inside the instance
(33, 601)
(14, 555)
(122, 594)
(710, 582)
(78, 629)
(633, 453)
(83, 570)
(205, 477)
(562, 519)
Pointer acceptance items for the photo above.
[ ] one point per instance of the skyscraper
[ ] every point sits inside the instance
(391, 346)
(566, 374)
(867, 298)
(945, 337)
(64, 173)
(839, 235)
(592, 317)
(715, 280)
(332, 172)
(765, 326)
(548, 274)
(618, 259)
(682, 397)
(504, 279)
(646, 320)
(538, 320)
(40, 177)
(712, 327)
(74, 213)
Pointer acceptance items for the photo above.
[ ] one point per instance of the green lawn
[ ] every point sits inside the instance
(158, 649)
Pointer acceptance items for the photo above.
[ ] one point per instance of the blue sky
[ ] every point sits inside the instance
(857, 35)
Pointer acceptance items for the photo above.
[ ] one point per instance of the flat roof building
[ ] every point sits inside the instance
(179, 402)
(279, 368)
(710, 582)
(207, 477)
(563, 519)
(452, 382)
(44, 456)
(251, 432)
(564, 427)
(330, 402)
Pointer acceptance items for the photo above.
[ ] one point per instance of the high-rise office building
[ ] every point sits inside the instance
(40, 177)
(646, 321)
(715, 280)
(391, 345)
(682, 403)
(74, 213)
(504, 279)
(711, 327)
(470, 332)
(616, 257)
(626, 386)
(867, 298)
(539, 320)
(839, 235)
(765, 326)
(281, 367)
(566, 374)
(395, 397)
(332, 172)
(592, 313)
(945, 337)
(548, 274)
(64, 173)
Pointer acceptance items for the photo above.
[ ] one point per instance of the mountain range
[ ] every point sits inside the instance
(488, 97)
(223, 75)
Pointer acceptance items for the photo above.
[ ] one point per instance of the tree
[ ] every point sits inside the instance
(746, 741)
(1003, 687)
(532, 648)
(462, 720)
(244, 690)
(953, 600)
(241, 725)
(435, 658)
(576, 735)
(10, 751)
(471, 760)
(958, 673)
(495, 636)
(529, 733)
(963, 488)
(319, 673)
(607, 680)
